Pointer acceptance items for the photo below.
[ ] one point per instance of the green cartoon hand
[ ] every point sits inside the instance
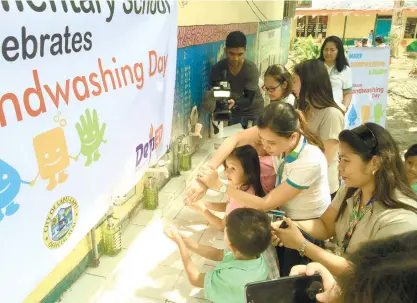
(91, 135)
(378, 112)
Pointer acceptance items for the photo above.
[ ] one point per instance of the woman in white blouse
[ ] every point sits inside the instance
(333, 55)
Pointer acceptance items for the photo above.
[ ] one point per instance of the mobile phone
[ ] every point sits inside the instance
(276, 213)
(306, 235)
(295, 289)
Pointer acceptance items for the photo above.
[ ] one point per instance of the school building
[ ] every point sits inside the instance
(354, 21)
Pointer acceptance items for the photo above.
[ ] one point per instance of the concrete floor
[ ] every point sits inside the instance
(149, 268)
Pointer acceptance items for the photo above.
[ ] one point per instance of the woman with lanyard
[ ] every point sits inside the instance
(333, 55)
(278, 84)
(375, 202)
(301, 190)
(311, 85)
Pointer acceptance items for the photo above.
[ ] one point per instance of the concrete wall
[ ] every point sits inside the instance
(359, 26)
(191, 13)
(226, 12)
(335, 25)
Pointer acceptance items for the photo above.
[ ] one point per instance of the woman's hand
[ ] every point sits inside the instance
(290, 237)
(274, 238)
(330, 289)
(196, 191)
(209, 176)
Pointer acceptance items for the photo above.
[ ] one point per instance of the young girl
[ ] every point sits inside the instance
(278, 84)
(242, 170)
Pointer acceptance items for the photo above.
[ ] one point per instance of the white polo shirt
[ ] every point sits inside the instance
(304, 168)
(340, 82)
(289, 99)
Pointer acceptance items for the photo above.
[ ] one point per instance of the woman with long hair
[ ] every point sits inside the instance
(383, 271)
(375, 201)
(311, 85)
(332, 54)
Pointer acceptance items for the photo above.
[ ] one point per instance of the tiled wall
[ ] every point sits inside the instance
(199, 48)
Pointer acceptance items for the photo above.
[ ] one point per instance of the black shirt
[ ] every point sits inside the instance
(244, 87)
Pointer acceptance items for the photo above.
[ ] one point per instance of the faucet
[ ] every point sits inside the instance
(160, 167)
(177, 144)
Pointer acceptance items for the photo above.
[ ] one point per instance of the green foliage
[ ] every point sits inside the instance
(306, 49)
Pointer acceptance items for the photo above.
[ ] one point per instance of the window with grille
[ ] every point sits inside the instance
(410, 28)
(313, 26)
(289, 8)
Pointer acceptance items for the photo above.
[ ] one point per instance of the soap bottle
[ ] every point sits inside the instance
(186, 158)
(112, 237)
(150, 194)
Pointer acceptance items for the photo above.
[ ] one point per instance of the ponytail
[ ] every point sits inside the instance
(284, 120)
(307, 133)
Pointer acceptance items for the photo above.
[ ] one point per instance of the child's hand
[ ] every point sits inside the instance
(198, 206)
(173, 233)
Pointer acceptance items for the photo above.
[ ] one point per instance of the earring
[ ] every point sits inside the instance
(374, 172)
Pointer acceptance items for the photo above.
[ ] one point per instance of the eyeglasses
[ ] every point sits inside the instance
(367, 136)
(271, 89)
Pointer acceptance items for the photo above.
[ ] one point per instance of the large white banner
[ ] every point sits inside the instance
(370, 72)
(86, 102)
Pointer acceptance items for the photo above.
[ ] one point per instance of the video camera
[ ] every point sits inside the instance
(221, 95)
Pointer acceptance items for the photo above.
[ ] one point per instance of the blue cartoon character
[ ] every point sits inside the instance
(352, 116)
(10, 182)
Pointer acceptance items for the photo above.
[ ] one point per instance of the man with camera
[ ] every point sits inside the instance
(246, 102)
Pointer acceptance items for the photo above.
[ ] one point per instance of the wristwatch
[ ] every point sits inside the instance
(223, 188)
(302, 250)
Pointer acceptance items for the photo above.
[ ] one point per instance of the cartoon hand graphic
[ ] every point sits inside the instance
(91, 136)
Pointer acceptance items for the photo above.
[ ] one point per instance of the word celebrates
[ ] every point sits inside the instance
(57, 44)
(144, 150)
(28, 46)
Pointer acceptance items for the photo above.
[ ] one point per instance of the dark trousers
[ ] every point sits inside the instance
(288, 258)
(244, 121)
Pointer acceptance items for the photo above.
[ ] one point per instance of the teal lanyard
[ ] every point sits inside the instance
(281, 165)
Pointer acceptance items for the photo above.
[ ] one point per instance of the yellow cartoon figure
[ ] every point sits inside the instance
(365, 113)
(52, 155)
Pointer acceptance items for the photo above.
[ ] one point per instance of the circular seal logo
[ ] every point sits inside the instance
(60, 222)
